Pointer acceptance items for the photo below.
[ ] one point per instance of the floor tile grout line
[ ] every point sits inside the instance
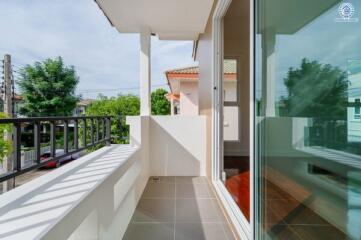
(220, 217)
(169, 198)
(200, 222)
(309, 224)
(165, 198)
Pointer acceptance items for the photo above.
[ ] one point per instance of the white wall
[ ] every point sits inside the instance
(205, 86)
(231, 123)
(189, 98)
(177, 145)
(93, 197)
(100, 217)
(353, 124)
(230, 91)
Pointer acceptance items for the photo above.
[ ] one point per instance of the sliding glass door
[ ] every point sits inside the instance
(308, 119)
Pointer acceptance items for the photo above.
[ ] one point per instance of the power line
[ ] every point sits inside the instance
(115, 89)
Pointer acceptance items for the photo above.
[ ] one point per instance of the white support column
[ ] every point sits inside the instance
(269, 73)
(145, 81)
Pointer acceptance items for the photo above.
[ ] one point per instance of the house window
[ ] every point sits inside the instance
(357, 109)
(230, 81)
(230, 100)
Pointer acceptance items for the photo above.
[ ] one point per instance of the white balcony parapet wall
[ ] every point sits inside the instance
(93, 197)
(176, 144)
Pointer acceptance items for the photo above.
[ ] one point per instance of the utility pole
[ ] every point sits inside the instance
(8, 110)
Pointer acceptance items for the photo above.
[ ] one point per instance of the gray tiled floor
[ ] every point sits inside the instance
(178, 208)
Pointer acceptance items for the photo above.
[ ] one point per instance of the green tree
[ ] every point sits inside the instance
(5, 145)
(316, 90)
(118, 107)
(160, 105)
(48, 89)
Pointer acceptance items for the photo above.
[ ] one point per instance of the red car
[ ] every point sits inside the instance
(58, 152)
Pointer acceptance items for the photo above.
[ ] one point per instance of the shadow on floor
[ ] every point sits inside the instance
(178, 208)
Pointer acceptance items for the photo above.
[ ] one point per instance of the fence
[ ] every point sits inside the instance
(28, 157)
(96, 127)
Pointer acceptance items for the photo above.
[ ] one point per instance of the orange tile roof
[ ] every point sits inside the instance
(230, 67)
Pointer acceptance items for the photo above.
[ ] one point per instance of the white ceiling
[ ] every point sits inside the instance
(169, 19)
(289, 16)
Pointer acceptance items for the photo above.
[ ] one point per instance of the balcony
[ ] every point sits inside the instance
(110, 193)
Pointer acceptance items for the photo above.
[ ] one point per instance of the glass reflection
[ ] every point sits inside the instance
(308, 121)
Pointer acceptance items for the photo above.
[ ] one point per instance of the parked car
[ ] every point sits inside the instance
(58, 152)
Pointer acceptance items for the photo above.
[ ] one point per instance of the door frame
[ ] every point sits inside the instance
(244, 229)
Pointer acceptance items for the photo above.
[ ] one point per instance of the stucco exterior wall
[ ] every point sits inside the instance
(205, 85)
(189, 98)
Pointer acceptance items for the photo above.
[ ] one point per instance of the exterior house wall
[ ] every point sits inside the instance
(205, 85)
(353, 118)
(189, 98)
(230, 91)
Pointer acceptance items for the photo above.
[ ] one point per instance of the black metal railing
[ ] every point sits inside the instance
(102, 134)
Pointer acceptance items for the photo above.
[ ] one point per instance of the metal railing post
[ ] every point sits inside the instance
(84, 132)
(76, 143)
(17, 146)
(66, 136)
(52, 140)
(92, 131)
(103, 128)
(97, 130)
(108, 140)
(37, 141)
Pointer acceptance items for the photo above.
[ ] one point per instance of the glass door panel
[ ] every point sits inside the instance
(308, 123)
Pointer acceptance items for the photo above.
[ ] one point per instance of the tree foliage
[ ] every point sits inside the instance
(48, 89)
(118, 107)
(160, 105)
(316, 90)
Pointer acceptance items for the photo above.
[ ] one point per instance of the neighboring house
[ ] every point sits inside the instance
(179, 178)
(81, 106)
(184, 95)
(354, 97)
(80, 109)
(183, 84)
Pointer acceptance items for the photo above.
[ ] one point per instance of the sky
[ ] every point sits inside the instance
(106, 61)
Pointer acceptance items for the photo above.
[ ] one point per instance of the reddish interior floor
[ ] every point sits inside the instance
(238, 184)
(283, 213)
